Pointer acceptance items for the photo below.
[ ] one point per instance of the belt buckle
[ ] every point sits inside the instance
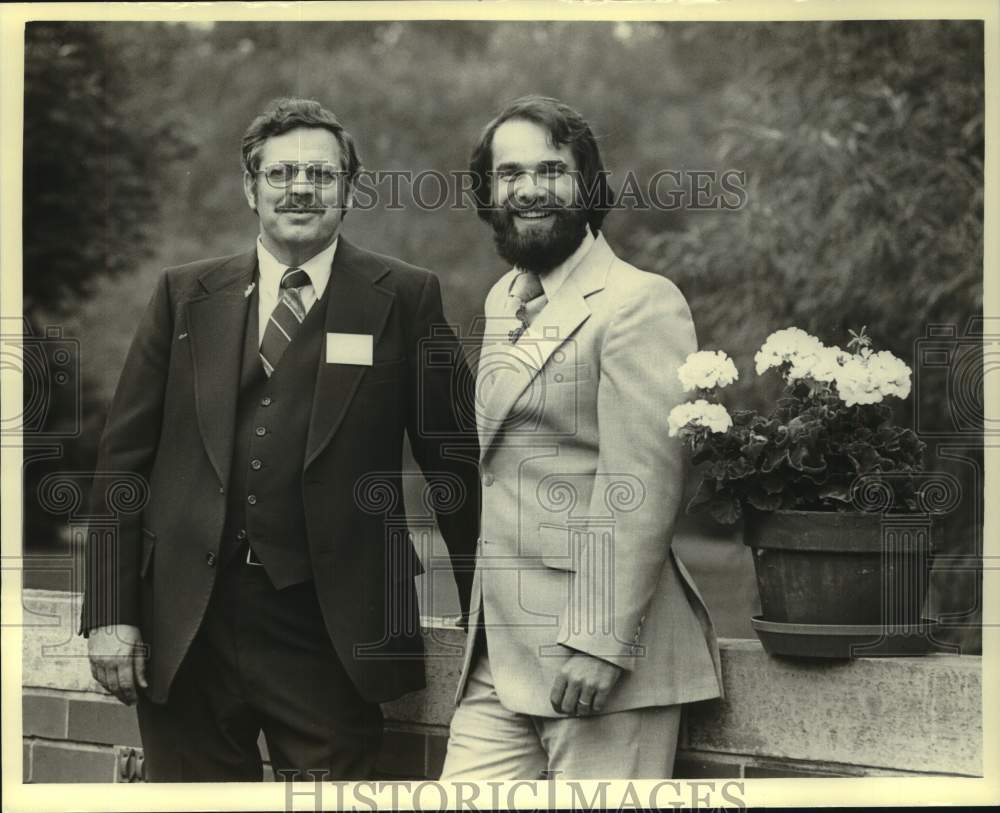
(251, 560)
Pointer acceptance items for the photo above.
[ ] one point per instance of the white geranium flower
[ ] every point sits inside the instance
(890, 374)
(869, 378)
(788, 345)
(802, 364)
(698, 413)
(707, 369)
(828, 364)
(819, 364)
(854, 385)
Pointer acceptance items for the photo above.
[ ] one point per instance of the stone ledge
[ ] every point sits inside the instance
(51, 761)
(693, 764)
(885, 715)
(912, 714)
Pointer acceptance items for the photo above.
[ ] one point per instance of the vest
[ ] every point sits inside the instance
(264, 506)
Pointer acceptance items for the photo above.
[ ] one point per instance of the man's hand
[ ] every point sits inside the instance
(118, 660)
(583, 685)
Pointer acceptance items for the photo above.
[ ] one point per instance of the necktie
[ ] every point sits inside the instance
(285, 319)
(525, 300)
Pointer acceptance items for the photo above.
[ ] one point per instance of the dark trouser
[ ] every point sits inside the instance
(262, 661)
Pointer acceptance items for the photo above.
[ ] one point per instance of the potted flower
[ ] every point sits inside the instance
(827, 487)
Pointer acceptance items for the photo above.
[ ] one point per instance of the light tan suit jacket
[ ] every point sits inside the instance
(580, 489)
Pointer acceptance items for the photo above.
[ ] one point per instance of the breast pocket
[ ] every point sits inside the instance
(386, 372)
(564, 375)
(565, 389)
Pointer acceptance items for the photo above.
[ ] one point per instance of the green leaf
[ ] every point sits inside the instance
(726, 511)
(772, 482)
(773, 459)
(738, 469)
(803, 459)
(764, 501)
(839, 492)
(704, 494)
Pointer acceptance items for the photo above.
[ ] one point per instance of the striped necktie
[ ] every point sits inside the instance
(525, 300)
(286, 318)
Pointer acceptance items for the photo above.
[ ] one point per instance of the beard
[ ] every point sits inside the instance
(539, 250)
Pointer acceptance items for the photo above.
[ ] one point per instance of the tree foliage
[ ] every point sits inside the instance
(94, 160)
(862, 144)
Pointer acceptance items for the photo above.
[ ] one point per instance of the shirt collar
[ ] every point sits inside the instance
(553, 280)
(317, 268)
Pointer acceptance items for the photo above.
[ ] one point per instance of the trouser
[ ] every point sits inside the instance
(490, 742)
(262, 661)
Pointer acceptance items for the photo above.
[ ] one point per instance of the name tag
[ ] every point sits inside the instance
(349, 348)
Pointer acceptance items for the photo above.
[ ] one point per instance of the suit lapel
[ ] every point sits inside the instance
(251, 368)
(355, 305)
(216, 324)
(494, 329)
(515, 367)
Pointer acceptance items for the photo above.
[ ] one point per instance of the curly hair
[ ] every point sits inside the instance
(287, 114)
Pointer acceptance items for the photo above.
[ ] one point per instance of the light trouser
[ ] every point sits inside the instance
(490, 742)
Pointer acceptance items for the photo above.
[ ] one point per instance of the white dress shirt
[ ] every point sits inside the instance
(552, 280)
(317, 268)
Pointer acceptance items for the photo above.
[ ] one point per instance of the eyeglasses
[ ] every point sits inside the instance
(545, 171)
(282, 174)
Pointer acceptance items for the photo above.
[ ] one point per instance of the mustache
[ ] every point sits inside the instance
(290, 207)
(513, 208)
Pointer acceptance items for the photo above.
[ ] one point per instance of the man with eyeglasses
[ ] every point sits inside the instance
(267, 584)
(587, 635)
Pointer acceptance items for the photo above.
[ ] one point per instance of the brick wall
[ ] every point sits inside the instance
(869, 717)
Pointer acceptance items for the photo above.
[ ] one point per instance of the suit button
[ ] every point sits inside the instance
(261, 431)
(252, 499)
(255, 464)
(242, 534)
(266, 401)
(558, 377)
(210, 559)
(488, 479)
(559, 357)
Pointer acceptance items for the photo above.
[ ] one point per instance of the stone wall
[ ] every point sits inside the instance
(780, 718)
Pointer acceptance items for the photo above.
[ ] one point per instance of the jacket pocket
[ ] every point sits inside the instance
(569, 374)
(148, 545)
(385, 371)
(556, 543)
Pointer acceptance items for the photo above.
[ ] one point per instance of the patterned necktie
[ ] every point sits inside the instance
(285, 319)
(525, 300)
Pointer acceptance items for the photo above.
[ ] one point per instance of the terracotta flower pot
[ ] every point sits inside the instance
(820, 573)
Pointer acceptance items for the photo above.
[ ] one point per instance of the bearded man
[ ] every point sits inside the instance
(587, 635)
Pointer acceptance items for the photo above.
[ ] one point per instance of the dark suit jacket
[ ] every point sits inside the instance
(172, 423)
